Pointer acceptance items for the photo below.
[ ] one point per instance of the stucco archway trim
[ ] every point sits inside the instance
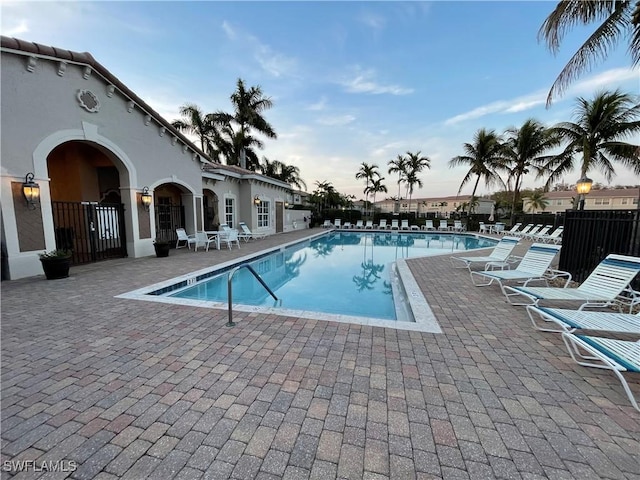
(175, 180)
(89, 132)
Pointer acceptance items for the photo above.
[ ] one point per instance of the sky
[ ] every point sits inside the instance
(350, 82)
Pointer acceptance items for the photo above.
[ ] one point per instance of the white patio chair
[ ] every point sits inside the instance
(457, 226)
(347, 224)
(524, 230)
(542, 232)
(499, 257)
(428, 225)
(183, 237)
(532, 267)
(327, 224)
(565, 320)
(531, 232)
(337, 222)
(600, 289)
(553, 237)
(369, 224)
(229, 237)
(404, 225)
(383, 224)
(394, 224)
(600, 352)
(414, 227)
(359, 224)
(202, 239)
(443, 227)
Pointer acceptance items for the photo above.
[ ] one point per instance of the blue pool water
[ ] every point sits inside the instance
(345, 273)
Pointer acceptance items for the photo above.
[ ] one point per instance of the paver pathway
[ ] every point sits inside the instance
(136, 390)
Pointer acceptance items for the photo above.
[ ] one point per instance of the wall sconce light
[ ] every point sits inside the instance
(145, 198)
(286, 204)
(257, 201)
(31, 191)
(583, 187)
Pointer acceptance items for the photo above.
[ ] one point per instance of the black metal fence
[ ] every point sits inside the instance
(90, 230)
(589, 236)
(168, 218)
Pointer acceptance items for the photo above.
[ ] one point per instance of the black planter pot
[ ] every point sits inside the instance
(162, 249)
(55, 268)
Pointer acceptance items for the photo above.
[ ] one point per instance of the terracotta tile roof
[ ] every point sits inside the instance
(86, 58)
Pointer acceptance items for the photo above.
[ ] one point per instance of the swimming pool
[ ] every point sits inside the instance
(336, 274)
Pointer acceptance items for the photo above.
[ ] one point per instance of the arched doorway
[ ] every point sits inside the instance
(169, 211)
(88, 214)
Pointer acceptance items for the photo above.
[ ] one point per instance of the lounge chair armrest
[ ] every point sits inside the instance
(552, 274)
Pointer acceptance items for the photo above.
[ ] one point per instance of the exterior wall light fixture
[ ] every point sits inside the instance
(257, 201)
(583, 187)
(145, 198)
(31, 191)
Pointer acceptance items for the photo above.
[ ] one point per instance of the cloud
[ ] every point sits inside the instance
(610, 78)
(363, 82)
(275, 63)
(337, 120)
(19, 29)
(319, 105)
(372, 20)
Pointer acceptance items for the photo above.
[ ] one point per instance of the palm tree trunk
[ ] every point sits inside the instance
(516, 190)
(473, 194)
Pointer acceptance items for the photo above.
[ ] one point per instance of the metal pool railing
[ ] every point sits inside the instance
(230, 323)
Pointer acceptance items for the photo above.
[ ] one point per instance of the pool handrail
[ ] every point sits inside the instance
(230, 323)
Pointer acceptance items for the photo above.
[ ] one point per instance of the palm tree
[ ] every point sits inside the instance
(399, 166)
(368, 172)
(484, 158)
(376, 187)
(414, 166)
(537, 201)
(523, 150)
(281, 171)
(618, 21)
(203, 126)
(601, 126)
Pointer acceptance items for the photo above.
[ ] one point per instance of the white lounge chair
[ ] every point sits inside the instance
(369, 224)
(600, 289)
(183, 237)
(532, 267)
(457, 226)
(443, 227)
(359, 224)
(414, 227)
(553, 237)
(394, 225)
(327, 224)
(383, 224)
(565, 320)
(524, 230)
(531, 232)
(337, 222)
(347, 224)
(428, 225)
(513, 230)
(606, 353)
(247, 234)
(543, 231)
(497, 258)
(404, 225)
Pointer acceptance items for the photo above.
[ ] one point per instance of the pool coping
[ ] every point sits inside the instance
(424, 318)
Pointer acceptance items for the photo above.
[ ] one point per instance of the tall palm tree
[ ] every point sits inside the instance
(415, 165)
(281, 171)
(399, 166)
(368, 173)
(248, 106)
(203, 126)
(618, 20)
(537, 201)
(597, 136)
(523, 150)
(484, 158)
(377, 187)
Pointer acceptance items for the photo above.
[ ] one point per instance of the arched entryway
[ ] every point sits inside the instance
(88, 214)
(169, 210)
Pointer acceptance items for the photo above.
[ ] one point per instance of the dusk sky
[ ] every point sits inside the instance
(351, 82)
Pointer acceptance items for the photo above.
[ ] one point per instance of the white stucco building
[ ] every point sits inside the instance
(94, 147)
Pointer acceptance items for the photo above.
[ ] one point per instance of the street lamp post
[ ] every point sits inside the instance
(583, 187)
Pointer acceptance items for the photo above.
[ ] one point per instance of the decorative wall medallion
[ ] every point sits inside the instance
(88, 101)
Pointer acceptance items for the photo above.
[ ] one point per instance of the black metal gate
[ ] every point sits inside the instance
(168, 218)
(93, 231)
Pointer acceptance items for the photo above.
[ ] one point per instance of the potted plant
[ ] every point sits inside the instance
(56, 263)
(162, 247)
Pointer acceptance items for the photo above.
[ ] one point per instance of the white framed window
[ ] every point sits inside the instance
(602, 201)
(263, 214)
(625, 201)
(635, 201)
(559, 202)
(230, 211)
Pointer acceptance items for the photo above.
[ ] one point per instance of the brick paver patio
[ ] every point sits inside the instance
(135, 390)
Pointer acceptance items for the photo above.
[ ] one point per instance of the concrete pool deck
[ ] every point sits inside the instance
(131, 389)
